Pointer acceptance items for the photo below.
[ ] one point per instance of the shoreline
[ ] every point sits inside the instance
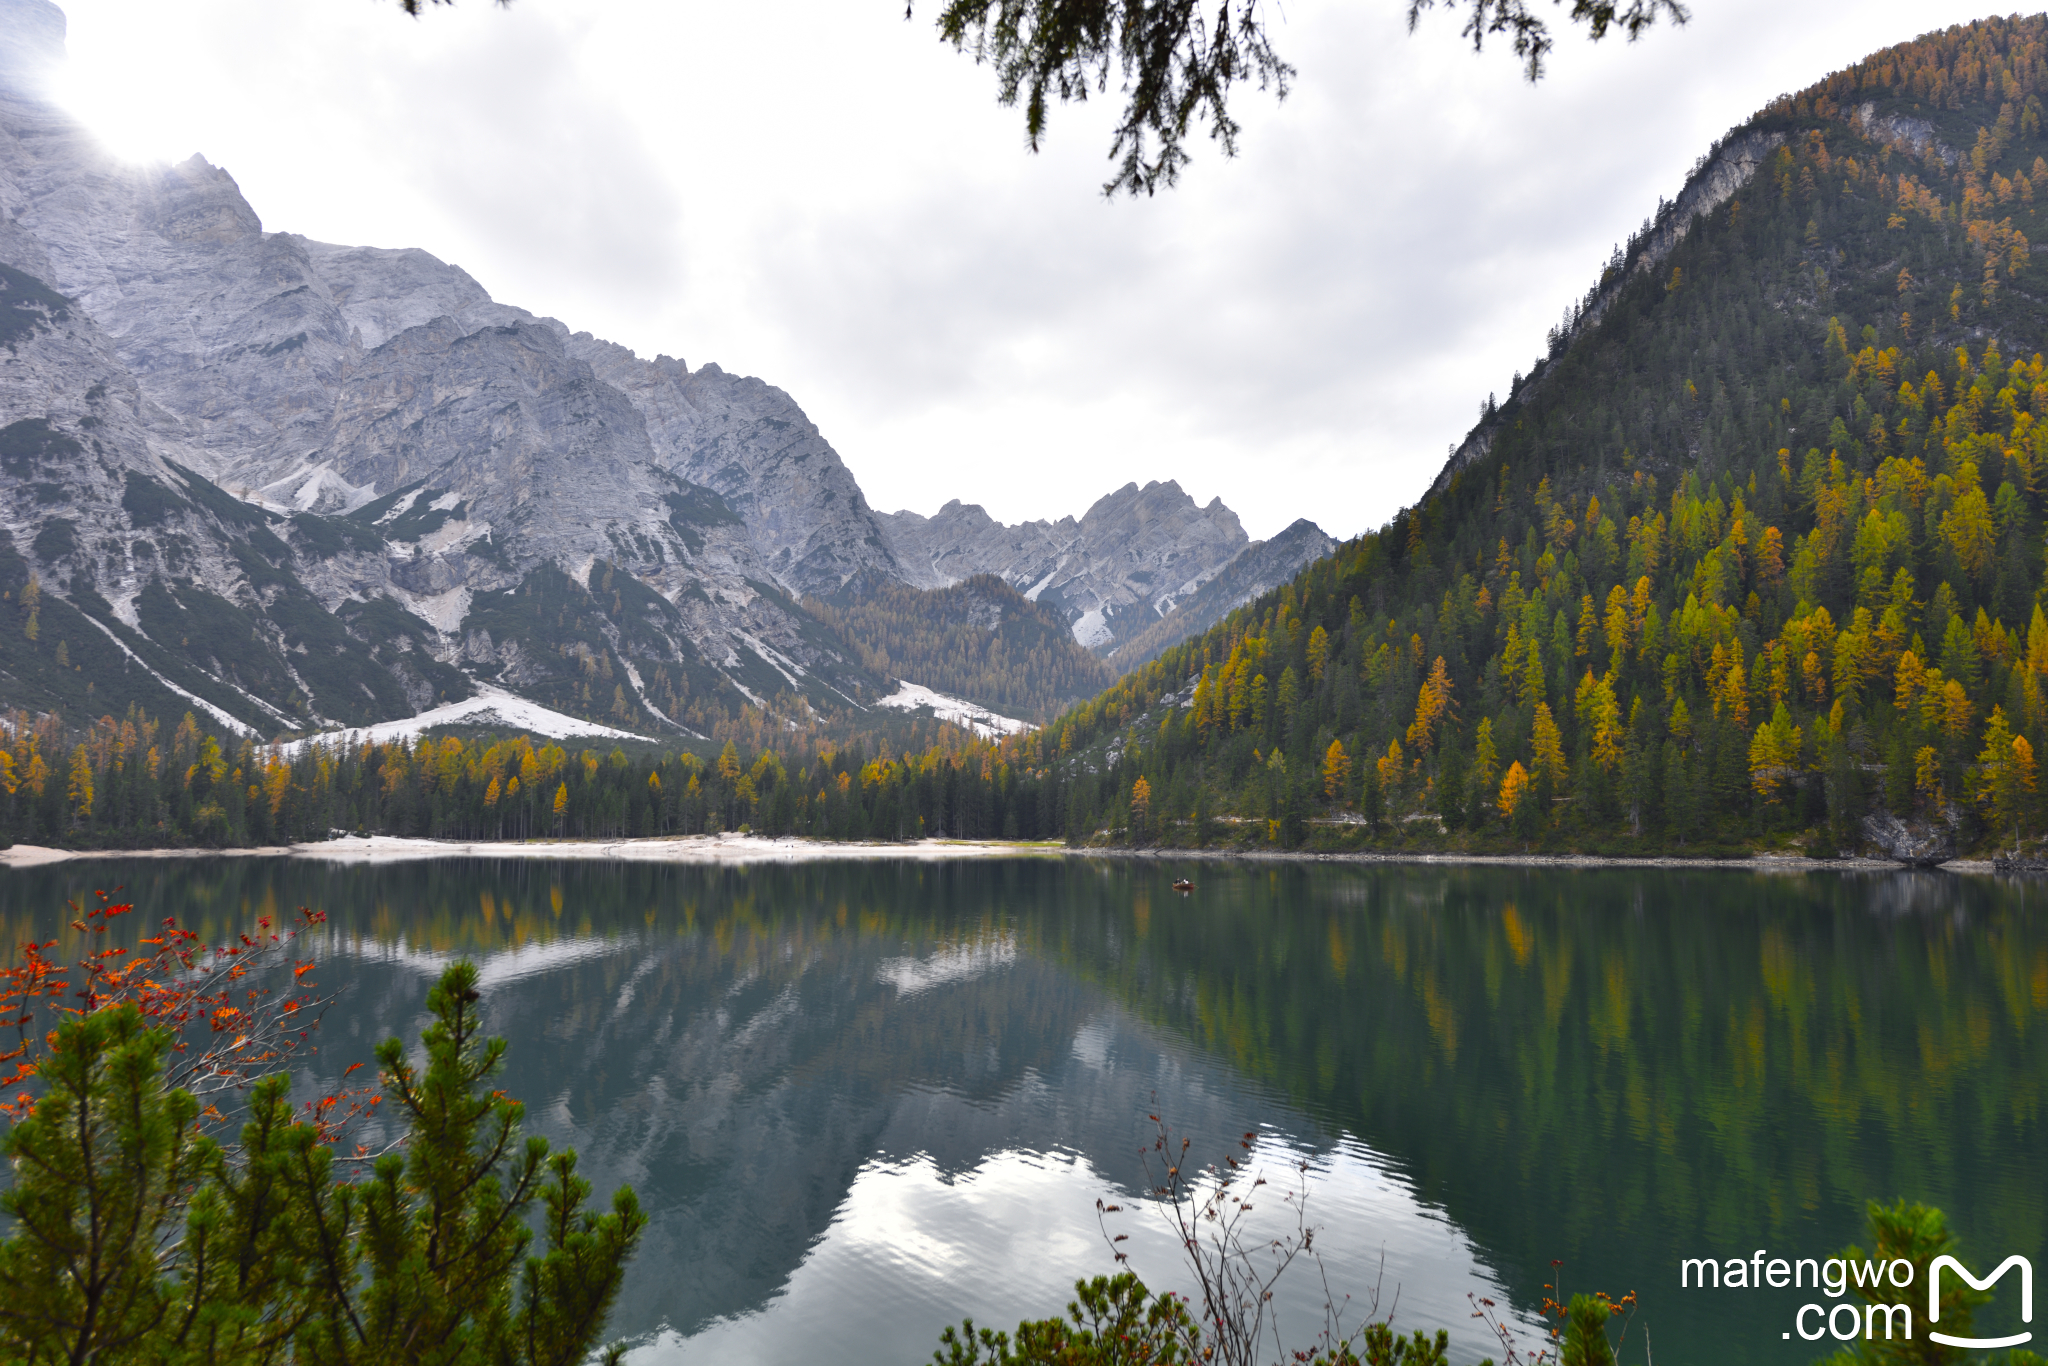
(685, 849)
(1759, 863)
(730, 850)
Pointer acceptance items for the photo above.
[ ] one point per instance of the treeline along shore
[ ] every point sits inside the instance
(137, 783)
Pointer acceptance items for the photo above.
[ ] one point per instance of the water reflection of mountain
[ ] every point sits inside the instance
(747, 1043)
(1615, 1068)
(738, 1044)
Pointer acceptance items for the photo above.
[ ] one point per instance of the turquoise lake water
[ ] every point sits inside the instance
(864, 1100)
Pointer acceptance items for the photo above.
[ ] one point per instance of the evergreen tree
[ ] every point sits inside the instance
(426, 1263)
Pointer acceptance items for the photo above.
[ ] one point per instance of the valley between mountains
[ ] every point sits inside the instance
(291, 486)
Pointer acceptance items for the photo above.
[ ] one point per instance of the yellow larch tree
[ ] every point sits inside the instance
(1393, 771)
(1336, 772)
(1514, 788)
(81, 784)
(1432, 707)
(2005, 778)
(1547, 745)
(1773, 753)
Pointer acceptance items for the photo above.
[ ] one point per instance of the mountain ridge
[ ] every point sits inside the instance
(384, 431)
(1125, 564)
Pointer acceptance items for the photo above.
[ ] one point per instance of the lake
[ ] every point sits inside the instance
(864, 1100)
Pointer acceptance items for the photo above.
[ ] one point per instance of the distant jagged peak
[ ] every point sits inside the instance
(954, 511)
(1140, 503)
(1163, 498)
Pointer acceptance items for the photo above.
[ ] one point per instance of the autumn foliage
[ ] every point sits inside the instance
(232, 1012)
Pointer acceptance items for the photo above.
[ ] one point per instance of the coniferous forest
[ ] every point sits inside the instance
(1753, 555)
(1755, 551)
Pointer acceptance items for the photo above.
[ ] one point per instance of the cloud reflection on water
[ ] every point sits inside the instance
(912, 1248)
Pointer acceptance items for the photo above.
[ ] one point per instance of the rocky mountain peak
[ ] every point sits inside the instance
(197, 201)
(1125, 564)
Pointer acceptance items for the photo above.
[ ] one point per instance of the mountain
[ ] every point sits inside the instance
(1753, 555)
(1259, 568)
(300, 485)
(1126, 564)
(979, 639)
(269, 467)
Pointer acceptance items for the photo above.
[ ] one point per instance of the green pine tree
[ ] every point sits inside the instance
(427, 1263)
(100, 1174)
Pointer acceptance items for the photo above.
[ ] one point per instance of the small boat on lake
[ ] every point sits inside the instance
(1183, 885)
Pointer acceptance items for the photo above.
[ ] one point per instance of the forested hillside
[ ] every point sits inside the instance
(1757, 549)
(979, 639)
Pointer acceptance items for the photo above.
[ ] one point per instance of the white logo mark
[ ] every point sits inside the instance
(2026, 1298)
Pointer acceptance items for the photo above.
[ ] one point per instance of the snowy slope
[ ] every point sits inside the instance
(492, 707)
(980, 720)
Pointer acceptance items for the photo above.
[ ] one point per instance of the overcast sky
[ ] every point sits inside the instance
(821, 194)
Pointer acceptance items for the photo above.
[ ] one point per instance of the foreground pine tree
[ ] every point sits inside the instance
(278, 1260)
(99, 1175)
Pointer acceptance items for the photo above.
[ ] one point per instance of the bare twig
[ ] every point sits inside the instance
(1237, 1270)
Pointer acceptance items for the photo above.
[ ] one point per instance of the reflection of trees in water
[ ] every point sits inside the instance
(738, 1043)
(767, 1048)
(1616, 1066)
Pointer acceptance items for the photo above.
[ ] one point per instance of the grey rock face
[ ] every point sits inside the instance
(750, 443)
(317, 380)
(157, 588)
(1914, 134)
(1259, 568)
(1126, 563)
(1920, 844)
(31, 40)
(393, 436)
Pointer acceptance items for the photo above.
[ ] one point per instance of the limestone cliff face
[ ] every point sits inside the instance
(396, 434)
(750, 443)
(330, 435)
(150, 585)
(1123, 565)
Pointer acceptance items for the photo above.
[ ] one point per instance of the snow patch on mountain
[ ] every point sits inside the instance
(980, 720)
(1090, 629)
(490, 707)
(443, 611)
